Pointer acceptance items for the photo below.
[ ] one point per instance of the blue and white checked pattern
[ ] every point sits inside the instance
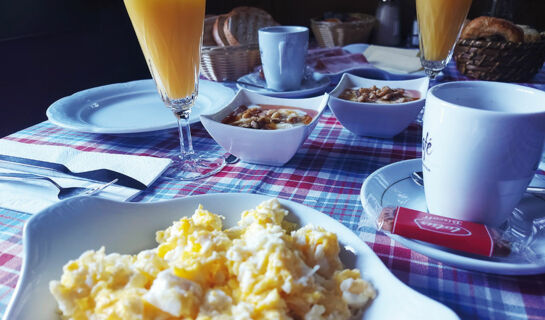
(326, 174)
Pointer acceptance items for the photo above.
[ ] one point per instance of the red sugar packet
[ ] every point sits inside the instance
(447, 232)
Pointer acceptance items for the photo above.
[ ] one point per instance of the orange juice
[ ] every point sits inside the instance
(440, 22)
(170, 35)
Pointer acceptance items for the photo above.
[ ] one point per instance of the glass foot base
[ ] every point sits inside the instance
(434, 68)
(195, 167)
(432, 74)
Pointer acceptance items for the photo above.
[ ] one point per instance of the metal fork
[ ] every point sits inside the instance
(63, 192)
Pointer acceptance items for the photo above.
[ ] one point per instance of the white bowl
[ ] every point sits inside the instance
(373, 119)
(270, 147)
(65, 230)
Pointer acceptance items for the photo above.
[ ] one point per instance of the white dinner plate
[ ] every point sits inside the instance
(309, 86)
(130, 107)
(389, 74)
(65, 230)
(392, 186)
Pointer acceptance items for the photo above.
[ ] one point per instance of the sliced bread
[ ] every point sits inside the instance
(242, 24)
(218, 31)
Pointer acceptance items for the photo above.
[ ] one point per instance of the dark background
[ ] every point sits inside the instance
(53, 48)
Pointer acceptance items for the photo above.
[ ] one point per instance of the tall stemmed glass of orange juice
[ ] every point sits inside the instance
(170, 35)
(440, 23)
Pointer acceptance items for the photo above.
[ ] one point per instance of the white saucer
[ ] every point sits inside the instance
(131, 107)
(392, 186)
(309, 86)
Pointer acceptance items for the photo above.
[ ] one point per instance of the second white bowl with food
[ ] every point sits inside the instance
(264, 130)
(377, 108)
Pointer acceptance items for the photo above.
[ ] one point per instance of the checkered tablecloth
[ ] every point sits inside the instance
(326, 174)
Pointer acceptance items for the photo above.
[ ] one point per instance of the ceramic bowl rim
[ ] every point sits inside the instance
(322, 99)
(347, 78)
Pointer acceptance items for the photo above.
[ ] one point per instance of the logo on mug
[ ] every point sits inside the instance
(426, 146)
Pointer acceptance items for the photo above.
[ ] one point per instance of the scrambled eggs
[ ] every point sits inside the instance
(255, 270)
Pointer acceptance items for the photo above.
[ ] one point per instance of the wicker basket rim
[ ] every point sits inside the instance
(249, 47)
(367, 18)
(500, 44)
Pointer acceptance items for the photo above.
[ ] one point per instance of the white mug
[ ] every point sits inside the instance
(481, 145)
(283, 50)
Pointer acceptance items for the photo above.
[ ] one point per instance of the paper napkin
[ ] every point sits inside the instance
(393, 59)
(32, 196)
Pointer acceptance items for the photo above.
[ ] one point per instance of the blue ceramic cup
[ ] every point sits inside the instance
(283, 50)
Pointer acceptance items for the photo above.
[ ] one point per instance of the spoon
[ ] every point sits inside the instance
(418, 178)
(63, 192)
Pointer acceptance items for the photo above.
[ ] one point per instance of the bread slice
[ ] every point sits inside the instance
(242, 25)
(217, 31)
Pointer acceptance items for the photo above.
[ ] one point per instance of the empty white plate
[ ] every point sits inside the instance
(131, 107)
(361, 47)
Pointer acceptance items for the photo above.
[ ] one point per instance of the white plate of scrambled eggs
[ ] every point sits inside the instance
(216, 256)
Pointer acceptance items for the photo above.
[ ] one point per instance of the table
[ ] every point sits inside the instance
(326, 174)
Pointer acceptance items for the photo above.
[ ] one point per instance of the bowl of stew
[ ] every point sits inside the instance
(264, 130)
(377, 108)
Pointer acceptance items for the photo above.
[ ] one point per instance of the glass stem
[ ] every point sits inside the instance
(432, 74)
(184, 131)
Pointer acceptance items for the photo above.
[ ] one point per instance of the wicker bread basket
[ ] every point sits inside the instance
(499, 61)
(334, 34)
(226, 63)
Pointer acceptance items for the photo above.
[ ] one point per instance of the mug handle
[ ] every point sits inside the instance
(281, 49)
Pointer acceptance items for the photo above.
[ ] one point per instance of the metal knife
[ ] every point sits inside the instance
(61, 171)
